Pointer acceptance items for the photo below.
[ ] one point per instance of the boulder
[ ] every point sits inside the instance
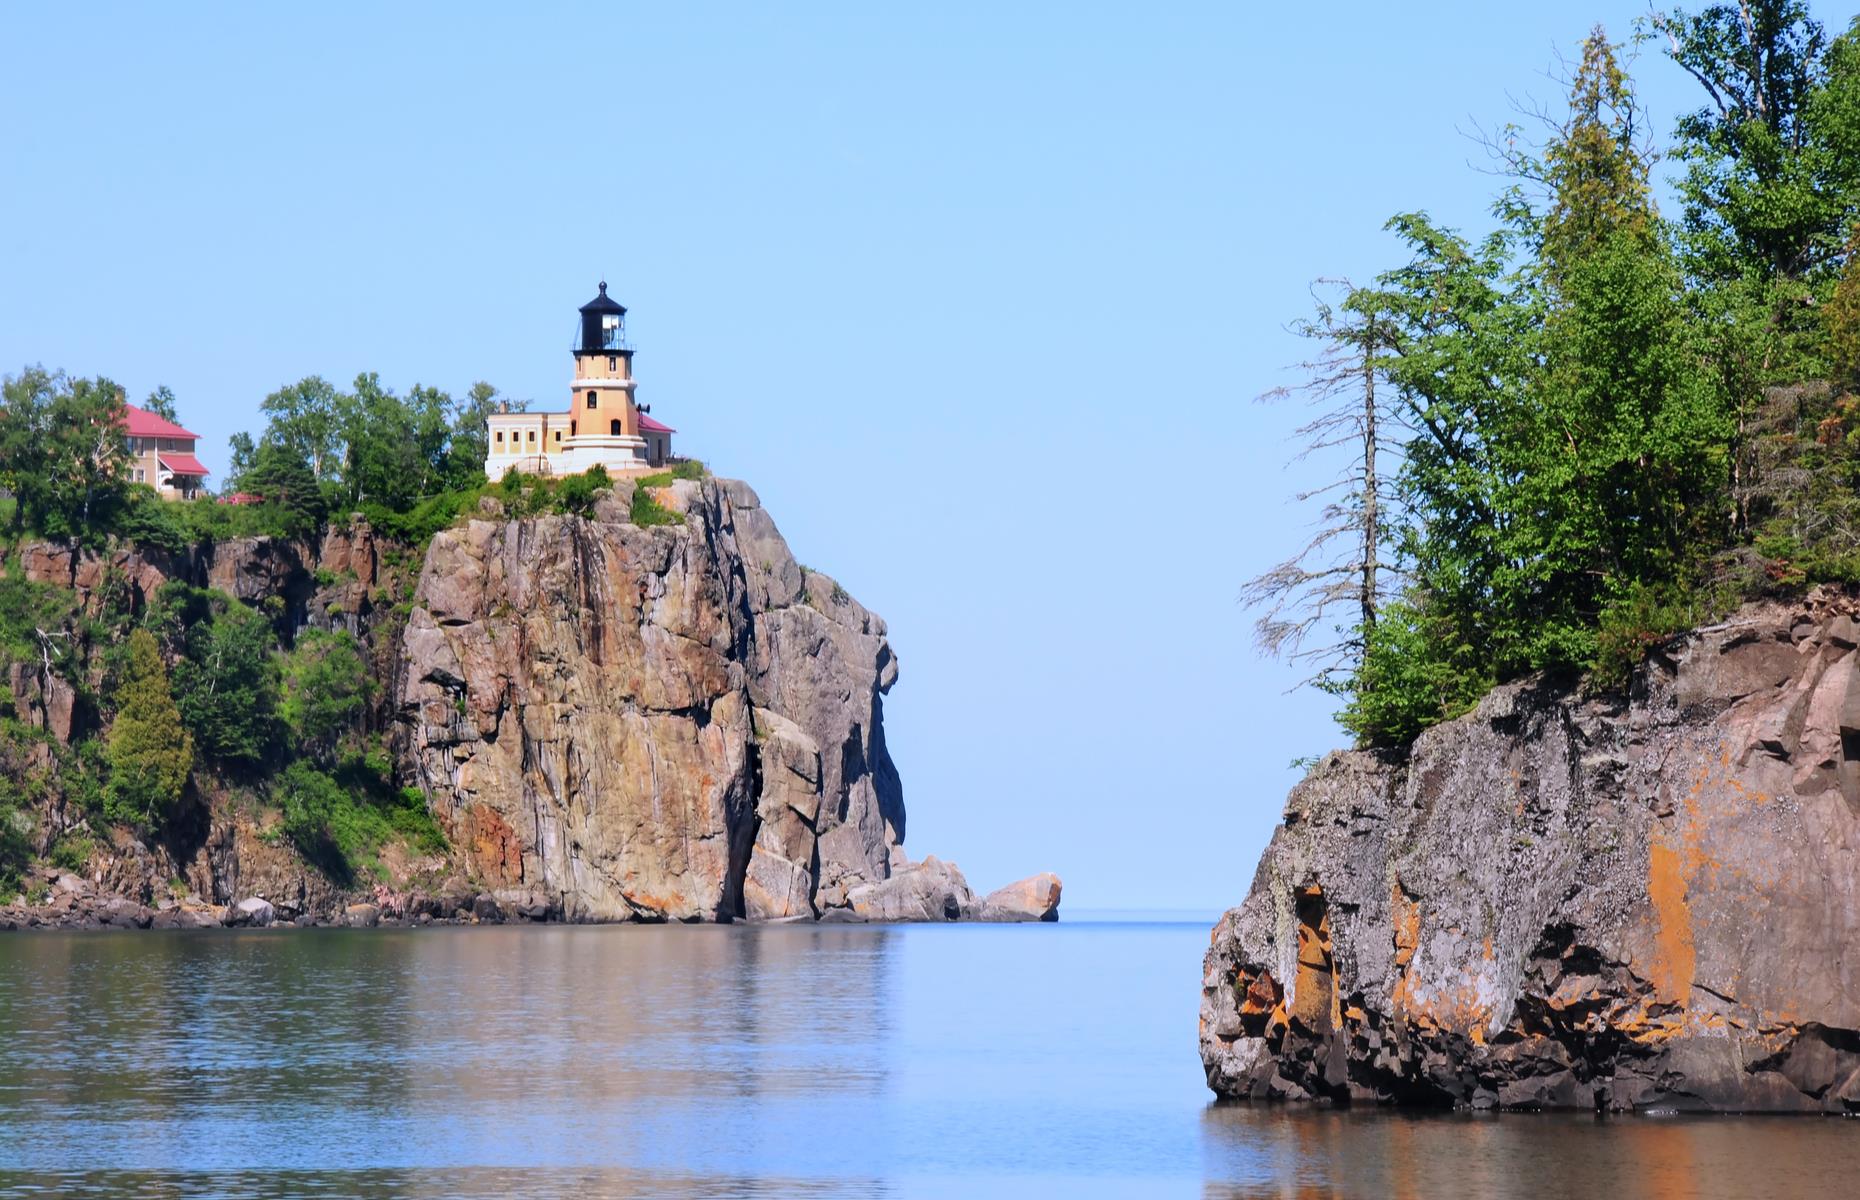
(253, 910)
(1035, 898)
(361, 916)
(931, 890)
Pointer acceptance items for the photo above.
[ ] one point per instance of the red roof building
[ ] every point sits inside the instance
(161, 454)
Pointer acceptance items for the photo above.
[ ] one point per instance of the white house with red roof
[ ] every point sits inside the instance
(161, 454)
(604, 425)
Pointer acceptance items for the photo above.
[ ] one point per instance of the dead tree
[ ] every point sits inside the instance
(1320, 604)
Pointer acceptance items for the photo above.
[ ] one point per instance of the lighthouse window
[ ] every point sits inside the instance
(612, 363)
(532, 437)
(558, 437)
(498, 437)
(614, 428)
(590, 399)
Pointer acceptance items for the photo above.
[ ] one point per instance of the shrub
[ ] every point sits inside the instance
(15, 845)
(326, 687)
(647, 512)
(72, 851)
(309, 801)
(1416, 672)
(339, 818)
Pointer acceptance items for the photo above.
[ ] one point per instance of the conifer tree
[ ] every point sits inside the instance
(150, 752)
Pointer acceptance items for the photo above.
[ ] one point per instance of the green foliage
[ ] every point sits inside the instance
(1773, 158)
(72, 850)
(161, 403)
(1842, 317)
(28, 610)
(293, 505)
(576, 494)
(326, 687)
(1417, 670)
(63, 455)
(304, 423)
(339, 818)
(225, 684)
(1642, 617)
(150, 753)
(689, 468)
(15, 842)
(647, 512)
(1597, 431)
(309, 801)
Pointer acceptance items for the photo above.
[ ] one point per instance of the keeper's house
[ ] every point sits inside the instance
(161, 454)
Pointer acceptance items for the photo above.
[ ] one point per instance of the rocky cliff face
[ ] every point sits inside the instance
(1562, 902)
(611, 722)
(670, 722)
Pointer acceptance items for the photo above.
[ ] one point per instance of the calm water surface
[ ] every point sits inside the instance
(834, 1061)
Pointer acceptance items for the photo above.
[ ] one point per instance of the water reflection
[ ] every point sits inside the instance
(1259, 1151)
(815, 1061)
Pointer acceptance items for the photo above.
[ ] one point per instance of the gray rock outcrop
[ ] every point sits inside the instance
(661, 723)
(1560, 901)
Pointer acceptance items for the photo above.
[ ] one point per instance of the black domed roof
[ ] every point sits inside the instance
(604, 303)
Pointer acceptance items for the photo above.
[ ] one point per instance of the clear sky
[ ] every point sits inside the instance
(977, 296)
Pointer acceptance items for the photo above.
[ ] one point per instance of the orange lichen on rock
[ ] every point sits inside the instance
(1314, 989)
(1674, 957)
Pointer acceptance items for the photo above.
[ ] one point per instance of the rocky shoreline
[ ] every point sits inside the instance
(933, 891)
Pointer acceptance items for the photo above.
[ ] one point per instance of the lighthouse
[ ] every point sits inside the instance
(603, 425)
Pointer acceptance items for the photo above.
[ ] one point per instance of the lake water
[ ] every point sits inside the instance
(728, 1061)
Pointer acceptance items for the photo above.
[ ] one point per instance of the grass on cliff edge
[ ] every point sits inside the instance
(525, 495)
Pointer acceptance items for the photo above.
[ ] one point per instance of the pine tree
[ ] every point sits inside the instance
(151, 753)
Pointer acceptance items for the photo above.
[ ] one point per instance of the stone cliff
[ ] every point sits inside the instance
(1562, 901)
(668, 722)
(611, 721)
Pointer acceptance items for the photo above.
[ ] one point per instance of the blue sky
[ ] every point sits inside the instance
(976, 296)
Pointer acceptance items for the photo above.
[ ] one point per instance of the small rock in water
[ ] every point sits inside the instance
(1035, 898)
(361, 916)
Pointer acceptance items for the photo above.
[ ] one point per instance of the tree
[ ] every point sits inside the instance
(1842, 315)
(283, 479)
(1616, 453)
(161, 403)
(326, 688)
(381, 453)
(1773, 157)
(63, 454)
(429, 428)
(150, 752)
(471, 438)
(304, 418)
(241, 453)
(1596, 175)
(1344, 573)
(225, 684)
